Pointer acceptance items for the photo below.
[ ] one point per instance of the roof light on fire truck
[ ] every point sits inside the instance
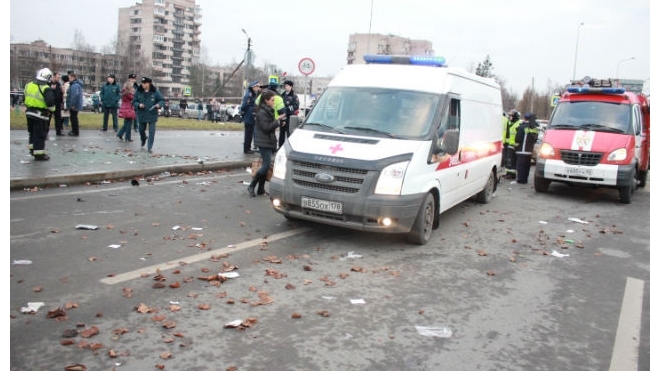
(587, 89)
(618, 155)
(418, 60)
(390, 180)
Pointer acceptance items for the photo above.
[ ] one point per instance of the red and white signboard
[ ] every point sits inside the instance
(306, 66)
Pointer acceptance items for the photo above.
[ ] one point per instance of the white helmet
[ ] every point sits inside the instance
(44, 74)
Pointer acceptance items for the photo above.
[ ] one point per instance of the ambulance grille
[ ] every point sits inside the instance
(346, 180)
(581, 158)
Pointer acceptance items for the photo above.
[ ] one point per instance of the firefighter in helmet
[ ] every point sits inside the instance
(510, 144)
(40, 105)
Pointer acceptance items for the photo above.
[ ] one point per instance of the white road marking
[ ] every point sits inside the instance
(197, 257)
(626, 344)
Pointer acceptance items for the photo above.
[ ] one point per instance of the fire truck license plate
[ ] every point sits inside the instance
(321, 205)
(581, 171)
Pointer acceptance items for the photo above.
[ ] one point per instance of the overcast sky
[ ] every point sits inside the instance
(527, 40)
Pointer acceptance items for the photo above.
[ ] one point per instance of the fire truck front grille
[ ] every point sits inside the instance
(346, 180)
(581, 158)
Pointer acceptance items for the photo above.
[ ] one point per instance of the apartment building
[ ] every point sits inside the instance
(165, 36)
(360, 44)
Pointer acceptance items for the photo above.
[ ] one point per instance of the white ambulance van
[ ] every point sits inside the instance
(390, 145)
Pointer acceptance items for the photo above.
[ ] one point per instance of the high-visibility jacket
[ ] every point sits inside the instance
(510, 135)
(39, 100)
(278, 107)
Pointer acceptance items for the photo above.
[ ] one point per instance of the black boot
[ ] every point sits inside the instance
(261, 189)
(253, 183)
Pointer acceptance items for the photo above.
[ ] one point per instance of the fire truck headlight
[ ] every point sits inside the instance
(546, 151)
(618, 155)
(390, 180)
(279, 167)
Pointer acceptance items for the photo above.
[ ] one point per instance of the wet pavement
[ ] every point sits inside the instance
(97, 156)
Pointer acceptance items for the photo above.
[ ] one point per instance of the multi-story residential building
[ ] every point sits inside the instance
(165, 35)
(26, 59)
(361, 44)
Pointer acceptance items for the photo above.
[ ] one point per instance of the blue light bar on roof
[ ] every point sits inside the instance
(418, 60)
(587, 89)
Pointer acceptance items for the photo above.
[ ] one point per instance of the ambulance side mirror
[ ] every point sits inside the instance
(448, 142)
(294, 121)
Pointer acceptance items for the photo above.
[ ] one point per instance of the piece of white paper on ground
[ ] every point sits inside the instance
(234, 323)
(87, 226)
(114, 246)
(558, 254)
(228, 275)
(22, 262)
(440, 332)
(32, 307)
(577, 220)
(542, 222)
(357, 301)
(351, 255)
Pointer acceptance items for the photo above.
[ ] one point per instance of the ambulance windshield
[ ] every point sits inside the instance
(374, 111)
(592, 115)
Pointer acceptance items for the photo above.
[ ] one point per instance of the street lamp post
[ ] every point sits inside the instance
(246, 58)
(617, 69)
(577, 42)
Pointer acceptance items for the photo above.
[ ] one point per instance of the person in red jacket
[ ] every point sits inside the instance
(126, 111)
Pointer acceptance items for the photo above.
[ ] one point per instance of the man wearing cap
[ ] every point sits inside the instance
(291, 103)
(132, 78)
(247, 112)
(147, 102)
(110, 96)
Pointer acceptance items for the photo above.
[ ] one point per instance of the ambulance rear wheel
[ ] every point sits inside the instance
(486, 194)
(420, 233)
(642, 179)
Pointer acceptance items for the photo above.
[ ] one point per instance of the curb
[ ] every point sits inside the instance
(23, 183)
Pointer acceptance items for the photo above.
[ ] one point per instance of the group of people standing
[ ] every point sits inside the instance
(51, 95)
(45, 98)
(265, 111)
(139, 108)
(518, 145)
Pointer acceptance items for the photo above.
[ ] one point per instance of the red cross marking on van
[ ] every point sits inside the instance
(336, 148)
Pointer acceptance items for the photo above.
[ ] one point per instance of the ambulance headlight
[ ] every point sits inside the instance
(390, 180)
(279, 166)
(618, 155)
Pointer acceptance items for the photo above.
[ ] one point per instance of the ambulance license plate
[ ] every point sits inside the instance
(321, 205)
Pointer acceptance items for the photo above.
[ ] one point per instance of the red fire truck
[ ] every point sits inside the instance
(598, 135)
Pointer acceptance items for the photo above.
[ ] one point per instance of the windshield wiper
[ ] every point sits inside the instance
(561, 126)
(390, 135)
(323, 126)
(600, 127)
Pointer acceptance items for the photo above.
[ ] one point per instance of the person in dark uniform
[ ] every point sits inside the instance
(526, 136)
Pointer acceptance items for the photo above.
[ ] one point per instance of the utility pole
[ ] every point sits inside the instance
(247, 59)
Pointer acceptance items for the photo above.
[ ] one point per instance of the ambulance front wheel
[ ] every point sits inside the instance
(420, 233)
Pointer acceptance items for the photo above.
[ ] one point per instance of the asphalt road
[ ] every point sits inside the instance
(556, 281)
